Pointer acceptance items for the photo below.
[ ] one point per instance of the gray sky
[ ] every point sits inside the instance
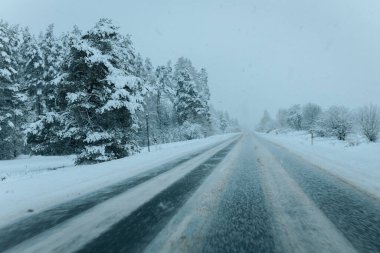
(260, 54)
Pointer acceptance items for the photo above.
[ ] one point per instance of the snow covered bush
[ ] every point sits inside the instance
(294, 117)
(369, 120)
(336, 121)
(192, 131)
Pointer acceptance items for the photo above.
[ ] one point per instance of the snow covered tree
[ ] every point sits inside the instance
(30, 74)
(139, 66)
(150, 106)
(11, 98)
(202, 84)
(204, 94)
(185, 91)
(281, 117)
(369, 119)
(190, 105)
(102, 94)
(310, 115)
(266, 124)
(84, 93)
(294, 117)
(47, 134)
(226, 123)
(191, 131)
(148, 74)
(223, 120)
(164, 98)
(336, 121)
(53, 53)
(215, 121)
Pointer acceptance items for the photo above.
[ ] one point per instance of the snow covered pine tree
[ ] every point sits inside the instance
(30, 75)
(191, 107)
(46, 133)
(103, 94)
(11, 99)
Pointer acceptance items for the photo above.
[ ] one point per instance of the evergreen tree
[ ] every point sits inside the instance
(266, 124)
(11, 98)
(30, 75)
(150, 99)
(84, 93)
(223, 122)
(53, 56)
(204, 95)
(102, 96)
(215, 121)
(164, 99)
(50, 133)
(189, 104)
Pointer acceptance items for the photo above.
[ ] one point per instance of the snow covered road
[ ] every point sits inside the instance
(144, 186)
(240, 195)
(257, 204)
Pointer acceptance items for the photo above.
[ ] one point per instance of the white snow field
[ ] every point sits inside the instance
(354, 160)
(27, 166)
(37, 186)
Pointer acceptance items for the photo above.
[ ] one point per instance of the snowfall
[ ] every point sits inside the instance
(354, 161)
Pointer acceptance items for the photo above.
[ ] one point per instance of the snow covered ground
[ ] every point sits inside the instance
(25, 166)
(354, 160)
(34, 184)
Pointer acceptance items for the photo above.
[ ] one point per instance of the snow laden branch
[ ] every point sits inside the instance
(91, 94)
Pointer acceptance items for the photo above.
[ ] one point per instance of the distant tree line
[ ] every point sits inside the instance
(336, 121)
(90, 93)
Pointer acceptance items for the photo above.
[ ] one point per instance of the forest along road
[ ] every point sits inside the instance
(246, 195)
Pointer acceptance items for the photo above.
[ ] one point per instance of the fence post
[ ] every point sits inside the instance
(147, 130)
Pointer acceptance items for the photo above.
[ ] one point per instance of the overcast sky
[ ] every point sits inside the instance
(260, 54)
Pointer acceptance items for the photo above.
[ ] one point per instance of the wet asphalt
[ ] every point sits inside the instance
(35, 224)
(242, 221)
(135, 232)
(354, 213)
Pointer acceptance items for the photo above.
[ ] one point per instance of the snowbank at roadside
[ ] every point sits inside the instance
(25, 165)
(42, 188)
(354, 160)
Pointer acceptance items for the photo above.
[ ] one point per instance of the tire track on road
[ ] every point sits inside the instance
(242, 223)
(33, 225)
(354, 213)
(136, 231)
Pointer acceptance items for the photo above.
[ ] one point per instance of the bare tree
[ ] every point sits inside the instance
(369, 119)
